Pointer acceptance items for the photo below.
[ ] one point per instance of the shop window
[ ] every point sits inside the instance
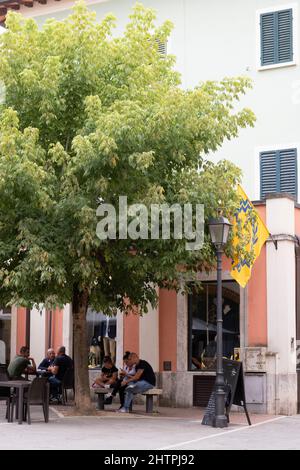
(102, 333)
(5, 335)
(202, 309)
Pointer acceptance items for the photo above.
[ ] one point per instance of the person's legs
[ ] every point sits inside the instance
(115, 386)
(112, 349)
(55, 385)
(134, 388)
(122, 391)
(106, 346)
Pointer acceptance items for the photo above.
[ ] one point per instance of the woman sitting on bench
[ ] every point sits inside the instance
(109, 374)
(125, 373)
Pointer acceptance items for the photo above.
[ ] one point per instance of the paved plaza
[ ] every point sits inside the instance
(170, 430)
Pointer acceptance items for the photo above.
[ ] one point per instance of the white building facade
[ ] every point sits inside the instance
(212, 40)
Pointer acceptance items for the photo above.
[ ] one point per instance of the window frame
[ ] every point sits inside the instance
(269, 148)
(225, 282)
(274, 9)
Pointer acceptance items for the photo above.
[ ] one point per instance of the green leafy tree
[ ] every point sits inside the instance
(88, 117)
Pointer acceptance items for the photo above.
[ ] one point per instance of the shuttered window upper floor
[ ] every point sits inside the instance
(278, 172)
(277, 37)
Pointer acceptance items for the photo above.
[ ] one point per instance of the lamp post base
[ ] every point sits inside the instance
(220, 422)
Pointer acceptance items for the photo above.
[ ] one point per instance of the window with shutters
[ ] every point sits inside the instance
(277, 37)
(278, 172)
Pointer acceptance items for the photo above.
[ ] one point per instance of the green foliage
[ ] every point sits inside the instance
(90, 116)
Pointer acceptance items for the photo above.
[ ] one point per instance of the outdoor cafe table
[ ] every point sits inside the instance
(21, 386)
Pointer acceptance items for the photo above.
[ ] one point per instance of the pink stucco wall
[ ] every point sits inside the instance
(257, 297)
(131, 334)
(21, 328)
(297, 221)
(167, 328)
(57, 329)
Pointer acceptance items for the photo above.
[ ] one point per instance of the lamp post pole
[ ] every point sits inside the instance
(219, 230)
(220, 418)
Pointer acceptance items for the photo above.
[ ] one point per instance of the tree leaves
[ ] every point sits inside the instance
(89, 117)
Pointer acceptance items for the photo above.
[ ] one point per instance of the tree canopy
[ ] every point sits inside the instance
(88, 117)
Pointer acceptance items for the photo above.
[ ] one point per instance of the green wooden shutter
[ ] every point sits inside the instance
(268, 39)
(285, 35)
(268, 173)
(276, 30)
(278, 172)
(288, 171)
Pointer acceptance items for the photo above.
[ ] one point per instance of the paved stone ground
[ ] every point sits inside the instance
(170, 429)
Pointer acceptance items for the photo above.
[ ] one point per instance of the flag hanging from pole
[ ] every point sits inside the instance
(247, 222)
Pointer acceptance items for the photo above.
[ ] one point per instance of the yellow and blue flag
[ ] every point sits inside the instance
(248, 223)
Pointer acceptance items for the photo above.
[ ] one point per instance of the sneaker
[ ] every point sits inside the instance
(54, 401)
(122, 410)
(108, 400)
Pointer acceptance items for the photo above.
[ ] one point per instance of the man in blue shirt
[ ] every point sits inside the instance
(46, 363)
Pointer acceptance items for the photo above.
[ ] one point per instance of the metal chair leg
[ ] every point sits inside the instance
(45, 411)
(28, 414)
(8, 412)
(12, 406)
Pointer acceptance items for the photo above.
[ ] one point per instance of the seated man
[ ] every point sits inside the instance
(109, 374)
(47, 362)
(60, 366)
(21, 364)
(143, 380)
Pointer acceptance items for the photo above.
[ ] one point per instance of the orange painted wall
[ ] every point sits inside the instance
(131, 333)
(257, 297)
(297, 221)
(57, 329)
(167, 328)
(21, 328)
(226, 263)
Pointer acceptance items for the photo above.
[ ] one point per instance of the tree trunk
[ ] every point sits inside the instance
(82, 387)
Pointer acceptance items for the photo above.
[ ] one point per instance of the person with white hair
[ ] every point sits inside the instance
(48, 361)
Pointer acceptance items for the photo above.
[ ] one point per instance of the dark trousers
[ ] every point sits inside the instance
(55, 386)
(118, 388)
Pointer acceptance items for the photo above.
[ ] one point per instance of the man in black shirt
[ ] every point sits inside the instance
(60, 366)
(143, 380)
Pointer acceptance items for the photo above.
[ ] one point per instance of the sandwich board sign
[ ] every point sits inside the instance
(234, 392)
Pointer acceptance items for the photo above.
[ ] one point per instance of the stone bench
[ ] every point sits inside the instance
(149, 394)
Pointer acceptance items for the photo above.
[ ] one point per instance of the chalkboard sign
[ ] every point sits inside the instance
(234, 392)
(210, 411)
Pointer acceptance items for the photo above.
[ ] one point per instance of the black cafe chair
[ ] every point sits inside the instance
(67, 384)
(38, 395)
(5, 393)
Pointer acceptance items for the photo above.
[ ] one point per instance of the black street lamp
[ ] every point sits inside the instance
(219, 230)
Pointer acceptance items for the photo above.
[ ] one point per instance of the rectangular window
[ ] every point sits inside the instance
(5, 335)
(278, 172)
(202, 310)
(276, 31)
(101, 336)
